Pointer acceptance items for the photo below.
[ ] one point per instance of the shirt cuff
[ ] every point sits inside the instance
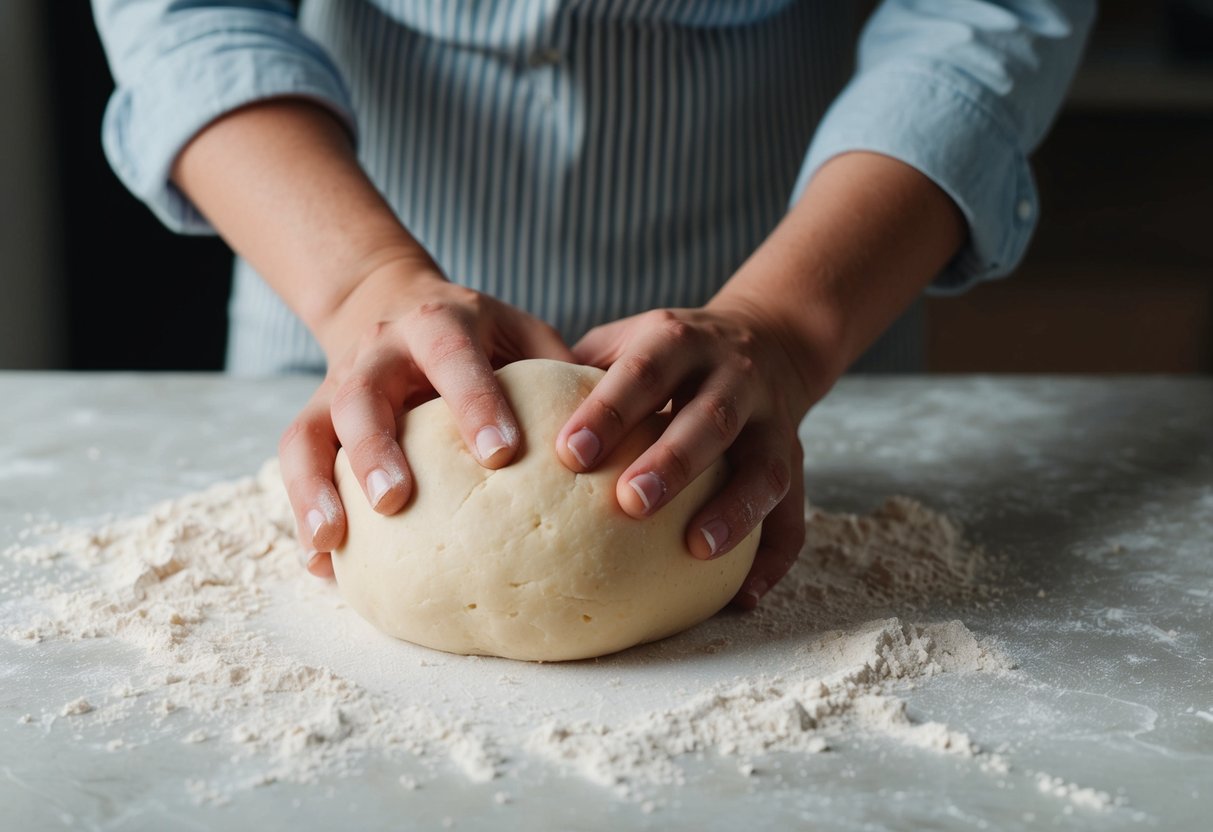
(940, 126)
(202, 72)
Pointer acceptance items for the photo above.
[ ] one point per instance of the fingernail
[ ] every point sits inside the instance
(488, 442)
(315, 521)
(649, 488)
(311, 564)
(378, 484)
(756, 590)
(314, 568)
(585, 446)
(716, 533)
(306, 556)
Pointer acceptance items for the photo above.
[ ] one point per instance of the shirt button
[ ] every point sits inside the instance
(1024, 210)
(545, 57)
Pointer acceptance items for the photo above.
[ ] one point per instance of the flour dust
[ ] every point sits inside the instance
(192, 587)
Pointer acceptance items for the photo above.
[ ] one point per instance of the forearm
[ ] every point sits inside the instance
(863, 241)
(280, 182)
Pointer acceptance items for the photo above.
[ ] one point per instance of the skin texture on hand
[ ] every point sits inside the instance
(868, 234)
(735, 393)
(394, 330)
(864, 240)
(427, 336)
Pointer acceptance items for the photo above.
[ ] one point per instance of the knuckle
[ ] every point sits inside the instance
(722, 415)
(608, 414)
(465, 295)
(479, 402)
(744, 515)
(446, 345)
(677, 331)
(644, 371)
(675, 463)
(300, 491)
(432, 309)
(357, 386)
(294, 431)
(375, 332)
(777, 476)
(369, 446)
(745, 343)
(744, 364)
(455, 303)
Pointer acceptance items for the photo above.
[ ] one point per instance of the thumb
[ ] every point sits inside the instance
(535, 339)
(602, 345)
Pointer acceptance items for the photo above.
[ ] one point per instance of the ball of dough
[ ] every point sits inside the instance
(531, 561)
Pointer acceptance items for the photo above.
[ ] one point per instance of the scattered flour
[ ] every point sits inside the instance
(781, 713)
(1085, 798)
(190, 584)
(902, 555)
(76, 707)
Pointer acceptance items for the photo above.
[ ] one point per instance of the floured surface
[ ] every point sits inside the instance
(204, 588)
(1094, 495)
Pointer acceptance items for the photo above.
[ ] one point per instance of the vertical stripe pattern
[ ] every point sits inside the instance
(584, 160)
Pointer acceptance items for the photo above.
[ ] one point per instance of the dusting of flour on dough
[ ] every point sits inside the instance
(184, 585)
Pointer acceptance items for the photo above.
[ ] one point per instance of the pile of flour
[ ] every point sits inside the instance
(199, 586)
(788, 712)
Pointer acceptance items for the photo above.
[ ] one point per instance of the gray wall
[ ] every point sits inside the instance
(31, 308)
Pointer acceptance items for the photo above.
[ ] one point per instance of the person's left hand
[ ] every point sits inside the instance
(738, 391)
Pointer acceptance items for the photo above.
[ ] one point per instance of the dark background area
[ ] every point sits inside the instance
(1119, 278)
(138, 296)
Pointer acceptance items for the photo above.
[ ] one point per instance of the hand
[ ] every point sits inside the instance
(861, 243)
(400, 337)
(737, 391)
(394, 330)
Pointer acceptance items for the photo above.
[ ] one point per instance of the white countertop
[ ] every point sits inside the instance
(1099, 491)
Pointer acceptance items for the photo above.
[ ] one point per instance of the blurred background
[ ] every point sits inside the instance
(1118, 279)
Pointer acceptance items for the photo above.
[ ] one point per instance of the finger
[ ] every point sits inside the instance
(640, 381)
(700, 433)
(761, 479)
(363, 411)
(306, 453)
(320, 564)
(603, 344)
(535, 339)
(444, 345)
(783, 534)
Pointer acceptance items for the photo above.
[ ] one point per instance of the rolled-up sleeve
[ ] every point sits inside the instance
(963, 92)
(180, 65)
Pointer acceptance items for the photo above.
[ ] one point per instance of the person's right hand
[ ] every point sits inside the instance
(402, 335)
(280, 181)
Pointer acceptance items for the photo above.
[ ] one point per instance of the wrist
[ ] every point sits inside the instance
(859, 246)
(321, 240)
(810, 340)
(379, 293)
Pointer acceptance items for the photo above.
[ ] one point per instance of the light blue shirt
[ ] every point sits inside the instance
(586, 160)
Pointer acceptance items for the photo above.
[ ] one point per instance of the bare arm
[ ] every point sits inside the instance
(864, 240)
(280, 182)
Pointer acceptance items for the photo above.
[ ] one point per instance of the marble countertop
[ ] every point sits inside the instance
(1099, 492)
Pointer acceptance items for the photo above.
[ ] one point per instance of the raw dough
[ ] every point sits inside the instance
(531, 561)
